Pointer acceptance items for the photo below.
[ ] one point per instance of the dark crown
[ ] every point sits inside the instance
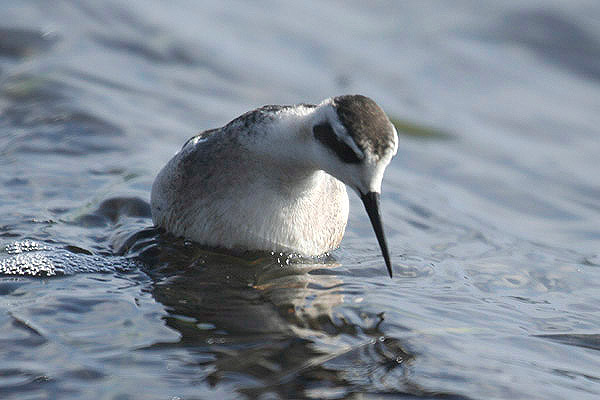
(366, 123)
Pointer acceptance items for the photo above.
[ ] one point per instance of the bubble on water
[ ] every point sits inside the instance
(24, 246)
(592, 260)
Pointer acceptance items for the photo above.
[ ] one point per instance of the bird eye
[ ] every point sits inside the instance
(324, 133)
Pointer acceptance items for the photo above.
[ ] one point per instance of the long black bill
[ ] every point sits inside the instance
(371, 202)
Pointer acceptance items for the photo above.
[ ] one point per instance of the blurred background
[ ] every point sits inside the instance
(491, 207)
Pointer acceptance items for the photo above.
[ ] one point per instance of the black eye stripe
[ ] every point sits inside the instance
(324, 134)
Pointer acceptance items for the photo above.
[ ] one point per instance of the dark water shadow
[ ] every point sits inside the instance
(553, 36)
(588, 341)
(21, 43)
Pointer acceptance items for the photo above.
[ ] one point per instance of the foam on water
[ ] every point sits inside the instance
(30, 258)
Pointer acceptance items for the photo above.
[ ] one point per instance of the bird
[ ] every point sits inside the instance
(274, 179)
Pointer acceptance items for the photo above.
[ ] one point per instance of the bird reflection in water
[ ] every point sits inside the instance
(266, 323)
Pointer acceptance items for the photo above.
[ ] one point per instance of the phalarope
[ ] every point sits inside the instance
(273, 179)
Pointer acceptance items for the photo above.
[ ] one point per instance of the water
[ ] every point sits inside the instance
(491, 206)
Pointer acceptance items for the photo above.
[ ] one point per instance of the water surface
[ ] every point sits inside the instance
(491, 206)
